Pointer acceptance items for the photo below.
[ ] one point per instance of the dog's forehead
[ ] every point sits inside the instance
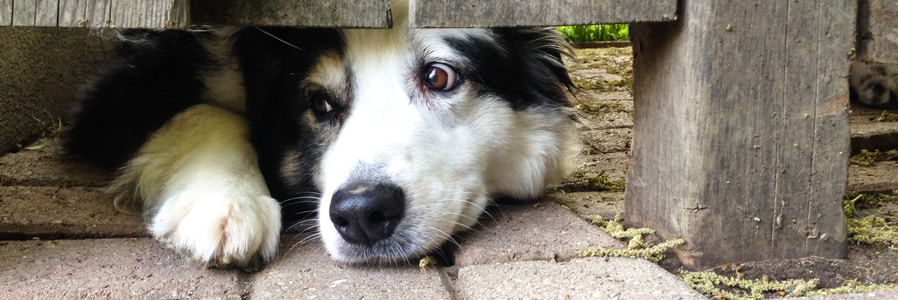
(329, 71)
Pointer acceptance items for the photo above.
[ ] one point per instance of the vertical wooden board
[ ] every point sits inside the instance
(503, 13)
(6, 12)
(84, 13)
(35, 13)
(324, 13)
(878, 31)
(740, 144)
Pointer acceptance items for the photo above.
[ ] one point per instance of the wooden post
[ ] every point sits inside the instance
(741, 136)
(877, 37)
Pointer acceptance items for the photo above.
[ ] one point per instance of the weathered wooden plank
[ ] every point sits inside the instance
(741, 138)
(35, 13)
(331, 13)
(503, 13)
(878, 31)
(84, 13)
(96, 13)
(5, 12)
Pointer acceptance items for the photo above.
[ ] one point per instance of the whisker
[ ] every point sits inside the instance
(283, 41)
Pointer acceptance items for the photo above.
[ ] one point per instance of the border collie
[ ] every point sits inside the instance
(389, 140)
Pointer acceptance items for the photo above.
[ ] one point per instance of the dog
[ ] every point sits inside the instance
(386, 141)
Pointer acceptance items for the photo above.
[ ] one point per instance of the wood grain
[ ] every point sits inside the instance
(741, 138)
(877, 34)
(331, 13)
(505, 13)
(5, 12)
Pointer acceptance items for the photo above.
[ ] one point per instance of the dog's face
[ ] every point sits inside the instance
(421, 128)
(415, 130)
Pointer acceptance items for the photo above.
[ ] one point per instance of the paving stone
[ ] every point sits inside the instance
(306, 272)
(51, 212)
(880, 177)
(584, 278)
(107, 268)
(605, 204)
(43, 163)
(541, 231)
(866, 134)
(855, 296)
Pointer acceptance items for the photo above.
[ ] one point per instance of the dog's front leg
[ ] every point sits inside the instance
(202, 191)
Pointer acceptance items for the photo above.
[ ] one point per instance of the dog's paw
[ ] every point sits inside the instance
(219, 226)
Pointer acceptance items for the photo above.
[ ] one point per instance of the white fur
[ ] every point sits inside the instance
(448, 162)
(202, 189)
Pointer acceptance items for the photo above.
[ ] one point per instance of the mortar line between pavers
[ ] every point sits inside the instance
(447, 283)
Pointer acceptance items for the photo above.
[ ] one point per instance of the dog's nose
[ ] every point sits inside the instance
(366, 214)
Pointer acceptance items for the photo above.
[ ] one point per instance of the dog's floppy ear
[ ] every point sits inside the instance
(539, 52)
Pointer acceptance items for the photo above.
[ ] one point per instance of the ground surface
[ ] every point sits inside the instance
(605, 110)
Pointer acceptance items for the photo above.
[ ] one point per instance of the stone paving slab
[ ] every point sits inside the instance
(107, 268)
(881, 176)
(43, 163)
(52, 212)
(306, 272)
(584, 278)
(540, 231)
(856, 296)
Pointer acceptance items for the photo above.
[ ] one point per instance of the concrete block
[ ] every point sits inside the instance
(52, 212)
(44, 163)
(540, 231)
(107, 268)
(586, 278)
(306, 272)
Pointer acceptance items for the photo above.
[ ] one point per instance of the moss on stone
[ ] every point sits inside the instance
(886, 117)
(636, 245)
(867, 158)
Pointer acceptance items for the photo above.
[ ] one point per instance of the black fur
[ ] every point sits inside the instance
(518, 67)
(272, 69)
(156, 76)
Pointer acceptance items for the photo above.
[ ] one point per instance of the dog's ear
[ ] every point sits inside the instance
(539, 51)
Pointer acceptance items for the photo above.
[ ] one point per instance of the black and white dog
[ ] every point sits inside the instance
(391, 139)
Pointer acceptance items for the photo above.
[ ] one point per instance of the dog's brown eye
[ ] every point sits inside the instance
(441, 77)
(322, 106)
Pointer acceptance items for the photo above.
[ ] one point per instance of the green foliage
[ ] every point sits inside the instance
(592, 33)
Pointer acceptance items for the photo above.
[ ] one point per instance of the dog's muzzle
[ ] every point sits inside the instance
(365, 214)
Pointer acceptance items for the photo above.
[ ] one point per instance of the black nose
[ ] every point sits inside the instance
(366, 214)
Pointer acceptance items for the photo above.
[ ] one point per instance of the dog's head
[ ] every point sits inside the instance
(417, 129)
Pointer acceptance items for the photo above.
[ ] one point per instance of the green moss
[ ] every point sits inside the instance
(873, 230)
(853, 286)
(711, 284)
(636, 245)
(867, 158)
(848, 205)
(582, 181)
(886, 117)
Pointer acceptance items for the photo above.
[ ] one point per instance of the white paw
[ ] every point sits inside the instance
(219, 225)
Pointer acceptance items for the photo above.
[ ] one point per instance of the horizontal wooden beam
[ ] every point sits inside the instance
(508, 13)
(315, 13)
(183, 13)
(94, 13)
